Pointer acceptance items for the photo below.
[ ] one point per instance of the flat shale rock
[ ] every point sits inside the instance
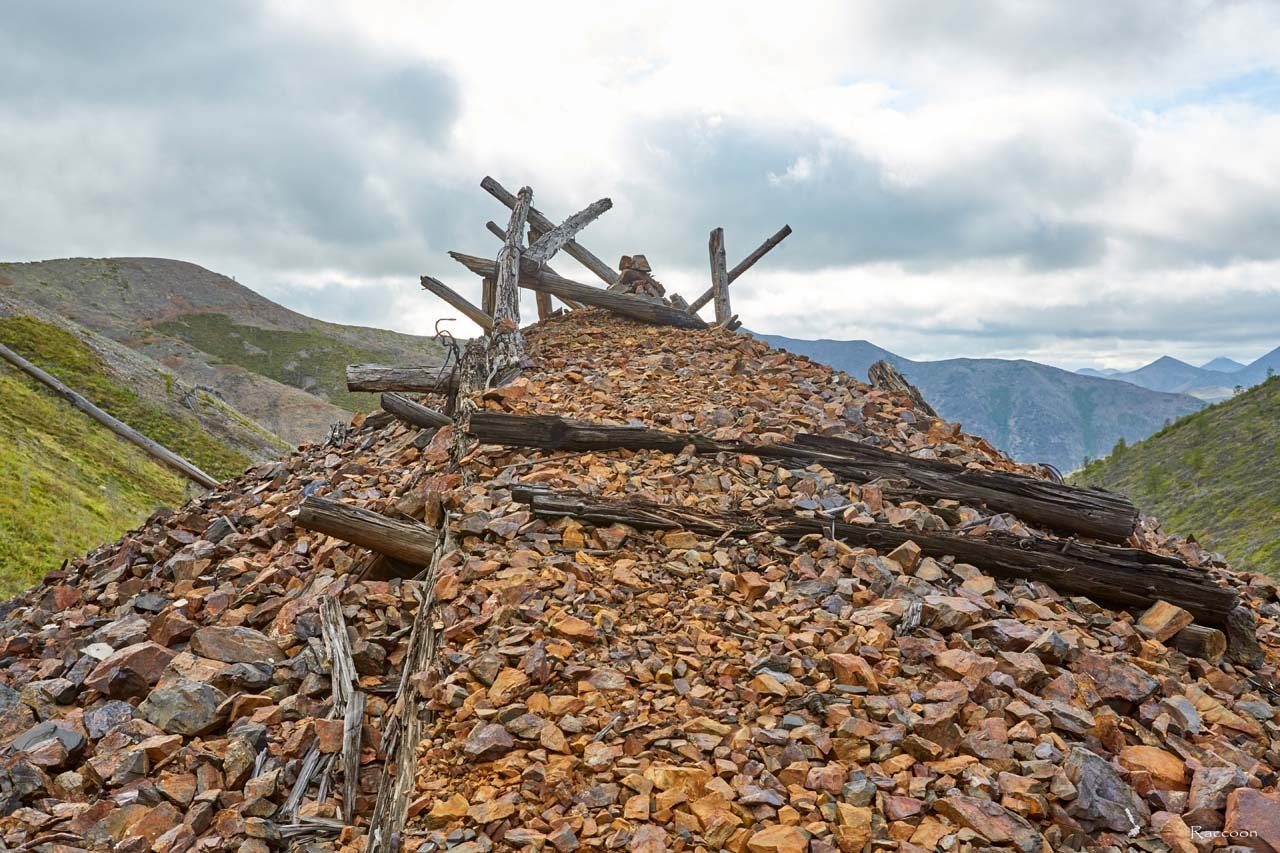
(604, 688)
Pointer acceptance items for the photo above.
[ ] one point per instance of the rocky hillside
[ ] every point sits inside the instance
(1034, 412)
(572, 683)
(280, 368)
(1214, 475)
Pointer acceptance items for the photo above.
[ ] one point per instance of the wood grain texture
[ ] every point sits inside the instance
(719, 277)
(409, 541)
(1123, 577)
(531, 278)
(380, 377)
(885, 377)
(506, 344)
(154, 449)
(1070, 509)
(539, 221)
(550, 242)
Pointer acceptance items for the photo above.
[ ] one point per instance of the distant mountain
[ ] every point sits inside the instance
(284, 370)
(1103, 372)
(1259, 370)
(1034, 412)
(1222, 364)
(1214, 475)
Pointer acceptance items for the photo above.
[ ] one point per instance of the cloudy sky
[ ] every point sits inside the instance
(1078, 183)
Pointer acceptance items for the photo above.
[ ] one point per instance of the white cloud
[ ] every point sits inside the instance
(996, 178)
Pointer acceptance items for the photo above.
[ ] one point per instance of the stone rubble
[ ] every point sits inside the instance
(605, 688)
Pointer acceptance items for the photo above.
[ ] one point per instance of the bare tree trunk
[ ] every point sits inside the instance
(507, 344)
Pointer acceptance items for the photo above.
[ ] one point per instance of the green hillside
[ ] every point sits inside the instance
(69, 483)
(1214, 474)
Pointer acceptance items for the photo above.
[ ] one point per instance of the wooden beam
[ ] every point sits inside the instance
(380, 377)
(719, 277)
(448, 294)
(744, 265)
(414, 414)
(536, 218)
(152, 448)
(409, 541)
(1124, 577)
(545, 247)
(531, 278)
(507, 344)
(1071, 509)
(1200, 641)
(496, 230)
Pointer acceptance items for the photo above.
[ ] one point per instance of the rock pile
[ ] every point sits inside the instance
(610, 688)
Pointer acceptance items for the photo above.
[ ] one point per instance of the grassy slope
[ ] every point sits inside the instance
(312, 360)
(1214, 474)
(69, 483)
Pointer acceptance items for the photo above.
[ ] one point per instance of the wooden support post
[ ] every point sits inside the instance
(409, 541)
(1125, 577)
(746, 264)
(507, 344)
(380, 377)
(414, 414)
(488, 298)
(496, 230)
(448, 294)
(152, 448)
(573, 249)
(531, 278)
(544, 304)
(719, 277)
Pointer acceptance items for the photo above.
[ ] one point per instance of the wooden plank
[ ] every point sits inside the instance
(536, 218)
(719, 277)
(414, 414)
(381, 377)
(152, 448)
(1123, 577)
(743, 265)
(1071, 509)
(448, 294)
(488, 295)
(352, 730)
(545, 247)
(531, 278)
(409, 541)
(543, 301)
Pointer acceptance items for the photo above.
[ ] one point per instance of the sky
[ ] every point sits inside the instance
(1092, 183)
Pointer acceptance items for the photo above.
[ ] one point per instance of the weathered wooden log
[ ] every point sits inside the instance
(426, 379)
(448, 294)
(409, 541)
(152, 448)
(550, 242)
(886, 377)
(506, 344)
(531, 278)
(414, 414)
(1069, 509)
(1201, 641)
(572, 248)
(488, 295)
(1123, 577)
(496, 230)
(744, 265)
(719, 277)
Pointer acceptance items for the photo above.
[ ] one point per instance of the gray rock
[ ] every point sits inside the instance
(185, 708)
(107, 717)
(71, 740)
(235, 645)
(1103, 800)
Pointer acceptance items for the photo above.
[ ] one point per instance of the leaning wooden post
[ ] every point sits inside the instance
(719, 277)
(743, 265)
(508, 344)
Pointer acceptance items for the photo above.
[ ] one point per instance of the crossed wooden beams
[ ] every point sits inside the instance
(518, 267)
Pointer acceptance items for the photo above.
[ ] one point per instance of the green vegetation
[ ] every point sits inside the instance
(313, 360)
(69, 484)
(1214, 474)
(69, 359)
